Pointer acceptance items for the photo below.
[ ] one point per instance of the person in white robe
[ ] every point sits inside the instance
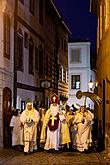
(30, 118)
(42, 112)
(64, 131)
(17, 130)
(50, 133)
(83, 121)
(69, 118)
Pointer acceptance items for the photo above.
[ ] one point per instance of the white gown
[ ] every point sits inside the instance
(49, 137)
(83, 135)
(30, 129)
(17, 133)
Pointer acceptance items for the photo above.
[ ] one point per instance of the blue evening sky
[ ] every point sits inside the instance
(81, 22)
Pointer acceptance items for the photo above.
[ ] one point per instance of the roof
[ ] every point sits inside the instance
(58, 14)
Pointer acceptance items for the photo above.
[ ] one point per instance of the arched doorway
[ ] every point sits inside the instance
(7, 114)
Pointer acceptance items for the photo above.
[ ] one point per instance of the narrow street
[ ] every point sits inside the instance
(12, 157)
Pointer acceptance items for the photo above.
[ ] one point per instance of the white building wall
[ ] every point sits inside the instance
(24, 77)
(6, 65)
(32, 21)
(82, 69)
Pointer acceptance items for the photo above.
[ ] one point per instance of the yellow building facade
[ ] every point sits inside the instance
(102, 9)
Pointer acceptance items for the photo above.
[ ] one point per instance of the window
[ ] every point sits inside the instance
(58, 40)
(41, 12)
(66, 75)
(65, 45)
(40, 60)
(32, 6)
(36, 60)
(22, 1)
(6, 36)
(62, 42)
(31, 60)
(50, 66)
(75, 55)
(60, 73)
(26, 40)
(100, 23)
(75, 82)
(107, 13)
(46, 64)
(19, 52)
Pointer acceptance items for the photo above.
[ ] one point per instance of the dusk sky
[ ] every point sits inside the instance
(81, 22)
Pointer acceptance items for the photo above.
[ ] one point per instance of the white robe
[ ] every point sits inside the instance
(30, 130)
(50, 138)
(17, 133)
(65, 134)
(52, 141)
(83, 135)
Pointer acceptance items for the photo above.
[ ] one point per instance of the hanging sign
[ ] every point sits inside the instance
(45, 84)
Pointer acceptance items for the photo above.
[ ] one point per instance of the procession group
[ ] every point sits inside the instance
(54, 129)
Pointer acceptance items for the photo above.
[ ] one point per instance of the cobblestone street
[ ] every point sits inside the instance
(12, 157)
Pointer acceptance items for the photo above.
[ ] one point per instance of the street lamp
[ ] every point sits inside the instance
(91, 83)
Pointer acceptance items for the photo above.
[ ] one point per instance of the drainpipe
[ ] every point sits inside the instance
(15, 62)
(103, 113)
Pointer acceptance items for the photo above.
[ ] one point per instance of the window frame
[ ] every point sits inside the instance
(32, 6)
(36, 59)
(75, 56)
(75, 78)
(19, 40)
(41, 12)
(31, 56)
(6, 20)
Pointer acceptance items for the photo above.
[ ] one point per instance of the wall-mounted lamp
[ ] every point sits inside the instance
(96, 84)
(91, 83)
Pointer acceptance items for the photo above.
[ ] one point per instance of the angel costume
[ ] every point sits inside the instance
(17, 133)
(83, 122)
(29, 118)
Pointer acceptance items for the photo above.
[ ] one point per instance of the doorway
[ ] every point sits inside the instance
(7, 114)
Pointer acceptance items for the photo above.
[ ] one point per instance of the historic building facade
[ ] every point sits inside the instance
(102, 10)
(6, 67)
(29, 66)
(79, 72)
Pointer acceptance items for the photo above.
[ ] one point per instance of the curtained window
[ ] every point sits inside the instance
(6, 36)
(19, 40)
(31, 56)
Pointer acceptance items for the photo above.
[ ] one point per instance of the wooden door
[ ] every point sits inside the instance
(7, 114)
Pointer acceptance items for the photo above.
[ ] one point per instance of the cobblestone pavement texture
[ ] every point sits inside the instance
(12, 157)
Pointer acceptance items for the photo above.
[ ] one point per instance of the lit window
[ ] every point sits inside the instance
(75, 82)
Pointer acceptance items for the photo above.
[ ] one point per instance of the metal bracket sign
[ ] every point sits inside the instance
(45, 84)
